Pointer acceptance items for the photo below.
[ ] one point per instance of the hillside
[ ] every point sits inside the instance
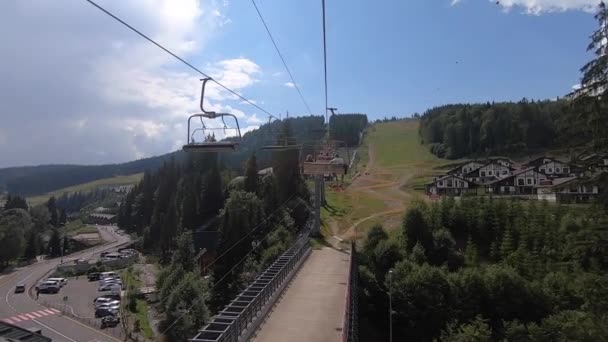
(392, 163)
(85, 187)
(36, 180)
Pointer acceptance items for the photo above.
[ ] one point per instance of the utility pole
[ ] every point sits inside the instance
(390, 303)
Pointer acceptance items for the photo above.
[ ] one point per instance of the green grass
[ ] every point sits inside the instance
(142, 316)
(84, 187)
(397, 144)
(77, 227)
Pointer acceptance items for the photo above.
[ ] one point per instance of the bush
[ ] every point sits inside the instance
(132, 302)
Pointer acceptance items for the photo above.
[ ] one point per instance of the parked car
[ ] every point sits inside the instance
(93, 276)
(111, 296)
(110, 287)
(110, 306)
(80, 261)
(49, 286)
(20, 288)
(110, 321)
(103, 300)
(110, 280)
(110, 274)
(102, 254)
(103, 312)
(61, 281)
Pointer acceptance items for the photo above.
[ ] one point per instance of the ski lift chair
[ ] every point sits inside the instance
(208, 142)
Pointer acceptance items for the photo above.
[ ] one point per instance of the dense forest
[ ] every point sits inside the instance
(455, 131)
(77, 201)
(483, 269)
(347, 127)
(175, 208)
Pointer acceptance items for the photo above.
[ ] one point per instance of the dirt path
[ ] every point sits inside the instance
(381, 184)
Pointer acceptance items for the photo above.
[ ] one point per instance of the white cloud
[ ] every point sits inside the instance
(253, 119)
(455, 2)
(576, 86)
(112, 95)
(289, 85)
(538, 7)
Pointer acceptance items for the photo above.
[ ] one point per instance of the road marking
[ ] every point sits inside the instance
(55, 331)
(31, 315)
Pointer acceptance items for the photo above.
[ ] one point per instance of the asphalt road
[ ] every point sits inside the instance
(26, 312)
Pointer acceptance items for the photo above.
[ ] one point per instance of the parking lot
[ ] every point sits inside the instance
(76, 299)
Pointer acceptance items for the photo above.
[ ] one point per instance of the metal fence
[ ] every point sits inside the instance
(239, 319)
(351, 319)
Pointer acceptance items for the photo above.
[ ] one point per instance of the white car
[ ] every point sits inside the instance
(49, 287)
(111, 307)
(61, 281)
(110, 302)
(110, 280)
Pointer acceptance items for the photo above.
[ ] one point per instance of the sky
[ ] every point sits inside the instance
(77, 87)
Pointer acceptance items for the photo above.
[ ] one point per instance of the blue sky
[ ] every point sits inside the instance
(77, 87)
(406, 56)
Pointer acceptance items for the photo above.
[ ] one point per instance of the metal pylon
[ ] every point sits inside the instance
(316, 229)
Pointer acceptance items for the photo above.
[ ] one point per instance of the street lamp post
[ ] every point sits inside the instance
(390, 303)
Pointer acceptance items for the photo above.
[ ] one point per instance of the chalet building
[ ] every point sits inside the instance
(522, 182)
(450, 185)
(466, 168)
(502, 161)
(577, 191)
(551, 167)
(488, 173)
(98, 218)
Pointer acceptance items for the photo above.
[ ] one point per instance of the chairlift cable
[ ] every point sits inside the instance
(177, 57)
(281, 56)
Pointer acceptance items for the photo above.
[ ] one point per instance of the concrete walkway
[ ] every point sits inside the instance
(312, 307)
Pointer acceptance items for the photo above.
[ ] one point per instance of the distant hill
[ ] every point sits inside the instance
(34, 180)
(38, 180)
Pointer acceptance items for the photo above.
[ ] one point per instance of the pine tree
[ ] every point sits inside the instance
(51, 205)
(31, 246)
(595, 82)
(54, 248)
(506, 246)
(251, 175)
(63, 218)
(470, 254)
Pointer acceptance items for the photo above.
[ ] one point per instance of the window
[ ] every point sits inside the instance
(529, 181)
(550, 170)
(449, 183)
(558, 170)
(482, 173)
(520, 181)
(566, 170)
(489, 172)
(440, 183)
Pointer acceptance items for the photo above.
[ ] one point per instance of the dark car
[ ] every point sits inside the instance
(110, 321)
(104, 312)
(93, 276)
(20, 288)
